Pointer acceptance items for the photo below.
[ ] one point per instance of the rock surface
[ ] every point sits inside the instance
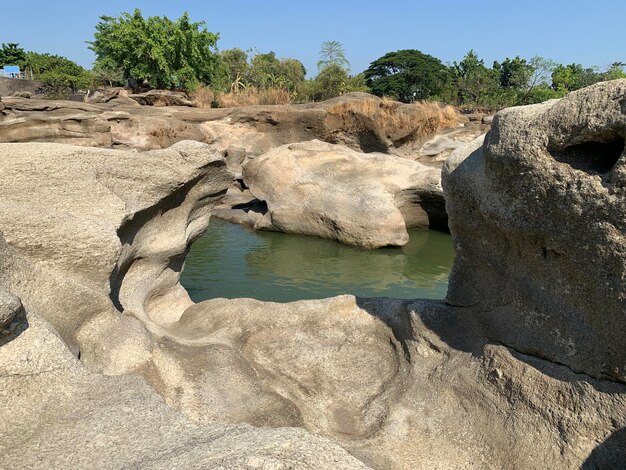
(10, 308)
(358, 120)
(538, 214)
(316, 188)
(161, 98)
(112, 355)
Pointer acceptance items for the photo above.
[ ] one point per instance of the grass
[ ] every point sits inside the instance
(207, 98)
(398, 120)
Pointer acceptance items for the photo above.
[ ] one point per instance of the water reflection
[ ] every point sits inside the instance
(231, 261)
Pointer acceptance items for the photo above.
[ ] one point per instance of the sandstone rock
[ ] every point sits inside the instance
(235, 156)
(22, 94)
(93, 242)
(538, 215)
(55, 413)
(361, 121)
(367, 200)
(162, 98)
(95, 192)
(10, 307)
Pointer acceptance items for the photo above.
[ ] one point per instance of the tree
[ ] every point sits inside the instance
(572, 77)
(330, 82)
(12, 54)
(59, 73)
(406, 75)
(236, 63)
(474, 81)
(514, 73)
(102, 75)
(157, 51)
(615, 71)
(264, 70)
(332, 52)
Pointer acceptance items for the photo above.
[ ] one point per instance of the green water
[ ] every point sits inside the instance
(230, 261)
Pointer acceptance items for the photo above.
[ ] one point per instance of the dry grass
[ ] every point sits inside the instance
(398, 120)
(203, 97)
(253, 96)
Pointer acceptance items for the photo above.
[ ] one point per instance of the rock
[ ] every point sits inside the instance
(436, 150)
(114, 355)
(361, 121)
(162, 98)
(367, 200)
(10, 308)
(487, 119)
(22, 94)
(235, 156)
(70, 417)
(95, 192)
(538, 214)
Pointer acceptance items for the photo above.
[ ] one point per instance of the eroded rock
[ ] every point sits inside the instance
(367, 200)
(93, 241)
(538, 214)
(10, 308)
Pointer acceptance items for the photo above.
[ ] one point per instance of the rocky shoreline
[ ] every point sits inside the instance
(107, 363)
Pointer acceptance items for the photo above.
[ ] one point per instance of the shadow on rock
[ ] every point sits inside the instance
(611, 454)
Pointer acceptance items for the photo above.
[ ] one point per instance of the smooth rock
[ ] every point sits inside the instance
(331, 191)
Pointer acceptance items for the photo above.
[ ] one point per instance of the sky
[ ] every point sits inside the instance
(567, 31)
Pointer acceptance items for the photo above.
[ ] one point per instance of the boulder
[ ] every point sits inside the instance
(331, 191)
(10, 308)
(162, 98)
(22, 94)
(538, 214)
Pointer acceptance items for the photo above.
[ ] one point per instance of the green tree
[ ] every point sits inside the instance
(330, 82)
(357, 83)
(615, 71)
(572, 77)
(102, 75)
(236, 63)
(475, 83)
(332, 52)
(514, 73)
(157, 51)
(406, 75)
(12, 54)
(58, 72)
(264, 70)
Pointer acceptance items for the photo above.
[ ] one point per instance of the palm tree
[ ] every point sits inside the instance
(332, 52)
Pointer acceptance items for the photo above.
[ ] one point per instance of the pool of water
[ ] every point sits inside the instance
(231, 261)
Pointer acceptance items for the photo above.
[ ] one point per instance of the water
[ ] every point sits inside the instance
(231, 261)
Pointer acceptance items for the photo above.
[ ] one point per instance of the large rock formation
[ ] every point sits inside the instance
(538, 213)
(93, 242)
(316, 188)
(358, 120)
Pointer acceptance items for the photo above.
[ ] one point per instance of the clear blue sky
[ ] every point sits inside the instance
(588, 32)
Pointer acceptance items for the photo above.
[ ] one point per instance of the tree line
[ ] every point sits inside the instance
(157, 52)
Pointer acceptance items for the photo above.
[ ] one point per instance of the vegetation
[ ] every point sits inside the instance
(12, 54)
(409, 75)
(61, 75)
(406, 75)
(157, 51)
(332, 53)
